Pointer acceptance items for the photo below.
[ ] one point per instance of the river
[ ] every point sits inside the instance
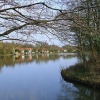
(38, 77)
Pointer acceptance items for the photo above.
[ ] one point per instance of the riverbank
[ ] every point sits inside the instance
(88, 76)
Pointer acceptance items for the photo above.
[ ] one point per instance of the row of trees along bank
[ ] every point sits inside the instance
(87, 28)
(85, 23)
(6, 48)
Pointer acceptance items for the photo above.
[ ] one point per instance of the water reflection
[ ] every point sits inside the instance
(71, 91)
(31, 78)
(12, 60)
(38, 77)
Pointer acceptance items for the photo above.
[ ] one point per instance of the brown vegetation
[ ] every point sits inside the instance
(85, 75)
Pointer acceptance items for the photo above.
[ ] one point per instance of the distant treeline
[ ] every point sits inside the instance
(6, 48)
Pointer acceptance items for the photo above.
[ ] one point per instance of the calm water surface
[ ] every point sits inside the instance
(39, 78)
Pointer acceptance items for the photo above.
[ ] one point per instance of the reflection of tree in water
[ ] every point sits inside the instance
(44, 58)
(71, 91)
(6, 60)
(10, 61)
(68, 56)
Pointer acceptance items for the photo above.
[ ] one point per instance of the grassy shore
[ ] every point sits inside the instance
(89, 75)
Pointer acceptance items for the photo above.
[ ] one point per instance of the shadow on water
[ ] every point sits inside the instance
(70, 91)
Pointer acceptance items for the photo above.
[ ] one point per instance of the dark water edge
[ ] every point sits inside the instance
(80, 92)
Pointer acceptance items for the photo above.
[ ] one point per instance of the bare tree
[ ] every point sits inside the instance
(19, 20)
(22, 20)
(71, 21)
